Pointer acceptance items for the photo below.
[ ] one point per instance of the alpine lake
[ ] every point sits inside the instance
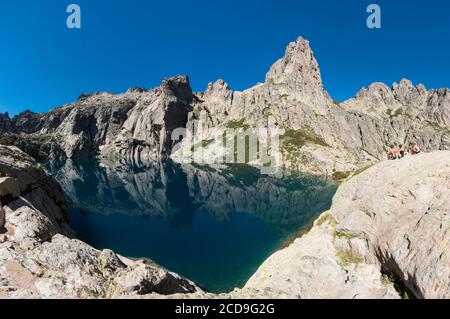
(212, 225)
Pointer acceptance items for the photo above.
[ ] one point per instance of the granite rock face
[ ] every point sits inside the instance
(134, 125)
(392, 221)
(39, 257)
(146, 135)
(331, 136)
(321, 136)
(404, 98)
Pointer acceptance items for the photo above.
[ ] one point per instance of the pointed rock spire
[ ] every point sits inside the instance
(297, 67)
(299, 71)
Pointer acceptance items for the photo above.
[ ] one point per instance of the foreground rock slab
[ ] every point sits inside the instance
(39, 257)
(388, 225)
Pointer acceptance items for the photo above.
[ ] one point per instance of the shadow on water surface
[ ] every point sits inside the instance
(212, 225)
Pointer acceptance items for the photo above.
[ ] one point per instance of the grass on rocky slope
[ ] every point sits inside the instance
(362, 170)
(34, 145)
(347, 258)
(342, 176)
(292, 142)
(237, 124)
(326, 218)
(298, 138)
(202, 144)
(438, 128)
(348, 236)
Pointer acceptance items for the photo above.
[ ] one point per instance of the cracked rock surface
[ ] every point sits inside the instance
(393, 219)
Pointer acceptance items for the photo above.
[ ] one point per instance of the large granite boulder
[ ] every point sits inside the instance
(388, 228)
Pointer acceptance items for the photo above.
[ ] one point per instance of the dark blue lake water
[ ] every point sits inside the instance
(213, 226)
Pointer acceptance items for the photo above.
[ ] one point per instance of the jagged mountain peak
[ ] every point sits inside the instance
(137, 125)
(218, 85)
(407, 85)
(137, 89)
(298, 66)
(409, 94)
(403, 98)
(374, 88)
(219, 88)
(298, 72)
(178, 86)
(404, 92)
(404, 85)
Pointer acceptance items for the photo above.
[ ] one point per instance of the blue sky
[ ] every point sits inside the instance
(139, 42)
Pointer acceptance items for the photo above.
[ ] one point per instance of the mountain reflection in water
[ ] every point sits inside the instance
(213, 225)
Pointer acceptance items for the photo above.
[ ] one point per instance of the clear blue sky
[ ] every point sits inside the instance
(138, 42)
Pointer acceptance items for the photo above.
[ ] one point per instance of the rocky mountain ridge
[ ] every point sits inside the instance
(323, 136)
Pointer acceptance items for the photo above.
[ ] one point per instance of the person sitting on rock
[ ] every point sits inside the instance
(391, 154)
(415, 149)
(394, 154)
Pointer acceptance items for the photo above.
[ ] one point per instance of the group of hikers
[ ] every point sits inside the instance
(399, 152)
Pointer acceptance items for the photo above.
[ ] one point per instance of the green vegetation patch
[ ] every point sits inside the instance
(362, 170)
(292, 141)
(340, 176)
(345, 235)
(336, 103)
(37, 146)
(326, 218)
(206, 143)
(299, 138)
(347, 258)
(237, 124)
(438, 128)
(202, 144)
